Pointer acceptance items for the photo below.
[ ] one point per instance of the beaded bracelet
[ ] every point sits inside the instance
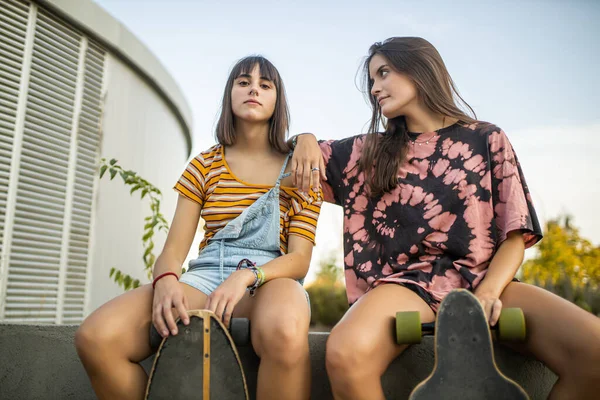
(259, 274)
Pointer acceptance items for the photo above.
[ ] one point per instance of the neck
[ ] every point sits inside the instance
(252, 137)
(420, 120)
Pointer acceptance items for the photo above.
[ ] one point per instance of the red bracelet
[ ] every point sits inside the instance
(162, 276)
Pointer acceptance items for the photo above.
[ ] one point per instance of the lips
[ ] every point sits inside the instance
(252, 102)
(379, 100)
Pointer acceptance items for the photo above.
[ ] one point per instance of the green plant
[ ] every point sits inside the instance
(328, 298)
(153, 223)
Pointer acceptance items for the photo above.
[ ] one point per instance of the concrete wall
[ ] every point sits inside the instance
(39, 362)
(142, 133)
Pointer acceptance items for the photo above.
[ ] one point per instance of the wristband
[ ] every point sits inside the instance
(259, 274)
(162, 276)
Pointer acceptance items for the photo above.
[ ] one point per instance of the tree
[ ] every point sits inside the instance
(327, 295)
(566, 264)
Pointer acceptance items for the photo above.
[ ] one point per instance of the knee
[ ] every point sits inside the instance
(284, 340)
(90, 340)
(344, 352)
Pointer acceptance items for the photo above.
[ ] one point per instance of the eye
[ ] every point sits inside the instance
(383, 73)
(265, 86)
(243, 83)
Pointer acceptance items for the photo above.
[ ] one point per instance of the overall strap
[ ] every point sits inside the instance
(282, 173)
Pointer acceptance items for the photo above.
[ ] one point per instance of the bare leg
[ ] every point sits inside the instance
(563, 336)
(115, 338)
(361, 346)
(280, 320)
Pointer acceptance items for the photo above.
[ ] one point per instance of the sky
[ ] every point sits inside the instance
(530, 67)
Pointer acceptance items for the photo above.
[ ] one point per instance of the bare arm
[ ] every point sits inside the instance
(501, 271)
(168, 292)
(180, 237)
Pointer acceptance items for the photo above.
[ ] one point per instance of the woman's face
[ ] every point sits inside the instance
(253, 97)
(394, 91)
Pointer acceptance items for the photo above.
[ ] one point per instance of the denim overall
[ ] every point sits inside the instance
(254, 235)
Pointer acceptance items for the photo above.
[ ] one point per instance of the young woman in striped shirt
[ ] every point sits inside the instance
(242, 189)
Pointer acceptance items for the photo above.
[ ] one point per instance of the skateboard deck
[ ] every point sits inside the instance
(464, 358)
(200, 362)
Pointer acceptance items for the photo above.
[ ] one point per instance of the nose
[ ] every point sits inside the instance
(375, 89)
(253, 90)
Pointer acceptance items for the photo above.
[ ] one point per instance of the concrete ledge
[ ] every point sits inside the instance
(40, 362)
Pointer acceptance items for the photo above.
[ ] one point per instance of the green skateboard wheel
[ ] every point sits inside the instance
(511, 325)
(408, 327)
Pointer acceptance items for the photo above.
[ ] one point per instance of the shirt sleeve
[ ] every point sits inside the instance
(192, 180)
(513, 207)
(304, 214)
(337, 157)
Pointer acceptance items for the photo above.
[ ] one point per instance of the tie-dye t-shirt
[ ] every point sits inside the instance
(460, 192)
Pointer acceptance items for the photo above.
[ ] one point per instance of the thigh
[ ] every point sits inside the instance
(123, 323)
(369, 325)
(557, 330)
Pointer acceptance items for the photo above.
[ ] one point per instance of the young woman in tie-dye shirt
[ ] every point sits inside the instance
(428, 212)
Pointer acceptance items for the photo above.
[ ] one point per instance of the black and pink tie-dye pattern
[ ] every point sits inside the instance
(458, 197)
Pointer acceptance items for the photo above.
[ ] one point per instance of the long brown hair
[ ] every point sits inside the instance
(280, 120)
(417, 59)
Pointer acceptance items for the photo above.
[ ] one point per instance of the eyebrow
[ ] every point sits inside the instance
(379, 69)
(248, 76)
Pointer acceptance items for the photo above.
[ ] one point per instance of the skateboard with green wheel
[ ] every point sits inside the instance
(201, 361)
(464, 357)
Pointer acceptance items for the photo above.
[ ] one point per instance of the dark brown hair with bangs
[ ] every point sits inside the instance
(280, 120)
(417, 59)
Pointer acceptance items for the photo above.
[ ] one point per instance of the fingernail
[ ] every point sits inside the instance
(165, 333)
(174, 331)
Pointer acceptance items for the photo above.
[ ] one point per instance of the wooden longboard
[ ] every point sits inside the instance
(200, 362)
(464, 358)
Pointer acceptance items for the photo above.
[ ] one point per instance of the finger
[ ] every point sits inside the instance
(496, 311)
(168, 314)
(314, 184)
(306, 177)
(322, 166)
(298, 175)
(182, 311)
(488, 310)
(293, 170)
(159, 322)
(220, 309)
(227, 312)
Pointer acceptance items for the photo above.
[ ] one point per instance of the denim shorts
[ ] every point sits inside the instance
(208, 277)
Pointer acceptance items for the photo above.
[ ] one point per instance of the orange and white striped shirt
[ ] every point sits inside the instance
(208, 181)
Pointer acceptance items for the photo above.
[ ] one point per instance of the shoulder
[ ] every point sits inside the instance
(205, 159)
(479, 133)
(482, 128)
(345, 145)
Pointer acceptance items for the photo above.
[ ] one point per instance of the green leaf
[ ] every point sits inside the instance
(133, 189)
(144, 192)
(113, 161)
(103, 170)
(147, 236)
(113, 172)
(112, 272)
